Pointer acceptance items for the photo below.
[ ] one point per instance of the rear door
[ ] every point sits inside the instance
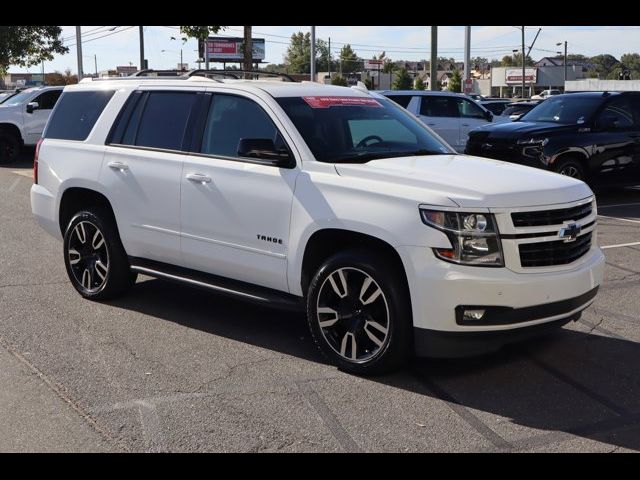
(142, 169)
(441, 113)
(35, 122)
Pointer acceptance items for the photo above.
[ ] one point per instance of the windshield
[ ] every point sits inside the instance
(359, 129)
(5, 95)
(568, 110)
(19, 98)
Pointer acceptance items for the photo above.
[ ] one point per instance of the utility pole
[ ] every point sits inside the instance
(523, 63)
(142, 65)
(79, 50)
(181, 67)
(95, 63)
(248, 51)
(313, 54)
(467, 53)
(329, 58)
(565, 64)
(433, 82)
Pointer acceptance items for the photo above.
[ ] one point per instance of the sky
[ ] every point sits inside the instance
(120, 46)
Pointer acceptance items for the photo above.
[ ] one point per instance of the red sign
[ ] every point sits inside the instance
(326, 102)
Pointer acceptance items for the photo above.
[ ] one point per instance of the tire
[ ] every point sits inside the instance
(96, 261)
(571, 167)
(10, 147)
(357, 314)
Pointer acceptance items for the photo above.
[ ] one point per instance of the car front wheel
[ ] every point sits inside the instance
(359, 313)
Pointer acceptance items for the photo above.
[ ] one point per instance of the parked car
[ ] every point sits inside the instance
(23, 117)
(450, 115)
(545, 94)
(592, 136)
(495, 106)
(330, 200)
(475, 96)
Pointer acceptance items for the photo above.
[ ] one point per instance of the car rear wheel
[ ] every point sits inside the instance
(359, 313)
(9, 147)
(96, 261)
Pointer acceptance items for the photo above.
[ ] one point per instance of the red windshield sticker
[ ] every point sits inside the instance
(326, 102)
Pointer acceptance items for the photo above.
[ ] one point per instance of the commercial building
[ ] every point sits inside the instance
(507, 81)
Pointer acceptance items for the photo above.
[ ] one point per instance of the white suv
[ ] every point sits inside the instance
(23, 117)
(323, 197)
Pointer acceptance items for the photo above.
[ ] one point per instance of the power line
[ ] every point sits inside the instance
(103, 36)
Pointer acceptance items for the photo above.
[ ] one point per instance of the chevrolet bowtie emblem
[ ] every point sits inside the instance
(570, 232)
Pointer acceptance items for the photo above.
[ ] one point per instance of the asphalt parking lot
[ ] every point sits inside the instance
(170, 368)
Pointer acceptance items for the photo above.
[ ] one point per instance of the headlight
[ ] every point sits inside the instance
(474, 237)
(533, 141)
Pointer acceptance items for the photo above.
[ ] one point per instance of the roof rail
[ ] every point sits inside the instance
(158, 73)
(233, 73)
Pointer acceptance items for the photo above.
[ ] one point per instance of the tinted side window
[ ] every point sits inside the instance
(47, 100)
(439, 107)
(620, 109)
(469, 109)
(163, 121)
(402, 100)
(495, 108)
(76, 114)
(232, 118)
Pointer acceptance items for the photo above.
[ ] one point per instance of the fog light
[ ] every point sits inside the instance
(473, 315)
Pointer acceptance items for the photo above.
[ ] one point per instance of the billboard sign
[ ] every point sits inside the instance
(229, 49)
(514, 75)
(373, 64)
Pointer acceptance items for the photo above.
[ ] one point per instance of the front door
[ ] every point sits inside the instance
(235, 211)
(441, 113)
(35, 122)
(471, 116)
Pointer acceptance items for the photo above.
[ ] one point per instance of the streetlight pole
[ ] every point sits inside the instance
(313, 54)
(433, 81)
(95, 60)
(565, 58)
(142, 65)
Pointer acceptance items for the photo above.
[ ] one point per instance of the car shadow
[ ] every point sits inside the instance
(583, 384)
(24, 160)
(619, 202)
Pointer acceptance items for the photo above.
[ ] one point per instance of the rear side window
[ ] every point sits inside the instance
(469, 109)
(76, 113)
(437, 106)
(163, 121)
(402, 100)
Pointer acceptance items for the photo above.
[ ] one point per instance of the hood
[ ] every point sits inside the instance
(471, 181)
(519, 129)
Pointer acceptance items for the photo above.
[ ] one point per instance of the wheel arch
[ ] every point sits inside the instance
(74, 198)
(13, 129)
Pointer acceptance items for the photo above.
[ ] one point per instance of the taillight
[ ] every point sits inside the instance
(35, 161)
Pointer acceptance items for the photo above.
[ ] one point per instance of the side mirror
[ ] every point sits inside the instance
(489, 116)
(31, 106)
(265, 149)
(608, 122)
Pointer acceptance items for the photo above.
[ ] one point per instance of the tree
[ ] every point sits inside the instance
(28, 45)
(515, 60)
(455, 82)
(603, 65)
(200, 32)
(349, 60)
(298, 57)
(339, 80)
(419, 84)
(403, 80)
(57, 78)
(632, 63)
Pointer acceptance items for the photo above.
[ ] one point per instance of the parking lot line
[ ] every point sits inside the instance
(620, 218)
(620, 245)
(618, 205)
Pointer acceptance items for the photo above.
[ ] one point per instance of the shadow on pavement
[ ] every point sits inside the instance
(573, 382)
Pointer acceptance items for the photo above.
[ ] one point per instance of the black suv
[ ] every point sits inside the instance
(592, 136)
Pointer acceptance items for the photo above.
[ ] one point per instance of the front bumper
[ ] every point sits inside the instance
(522, 300)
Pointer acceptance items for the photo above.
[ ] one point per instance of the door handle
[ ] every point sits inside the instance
(465, 124)
(198, 177)
(431, 124)
(118, 166)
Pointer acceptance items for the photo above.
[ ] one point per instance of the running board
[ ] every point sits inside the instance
(225, 286)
